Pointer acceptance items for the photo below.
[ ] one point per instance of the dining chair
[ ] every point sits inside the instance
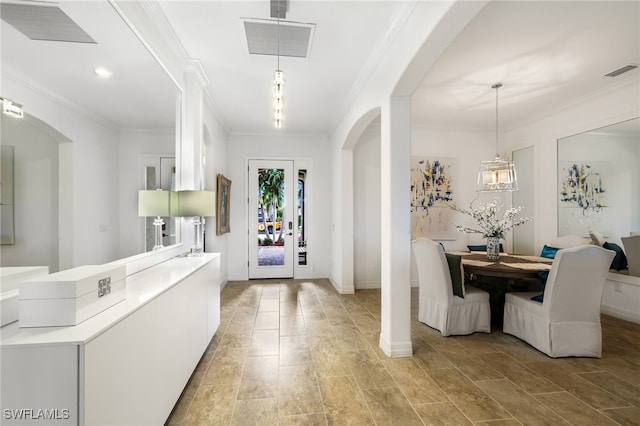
(632, 248)
(438, 307)
(567, 321)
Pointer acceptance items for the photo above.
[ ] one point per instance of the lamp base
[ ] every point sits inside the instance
(196, 248)
(157, 223)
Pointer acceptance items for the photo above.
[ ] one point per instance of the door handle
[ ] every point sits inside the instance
(289, 233)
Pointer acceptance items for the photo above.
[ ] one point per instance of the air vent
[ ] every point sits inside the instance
(43, 22)
(621, 71)
(295, 38)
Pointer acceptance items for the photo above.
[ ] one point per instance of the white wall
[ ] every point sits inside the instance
(240, 148)
(215, 142)
(366, 209)
(35, 186)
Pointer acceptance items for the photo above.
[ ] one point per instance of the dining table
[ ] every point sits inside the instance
(510, 272)
(510, 266)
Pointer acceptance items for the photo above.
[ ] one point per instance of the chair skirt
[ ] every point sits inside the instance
(526, 319)
(460, 316)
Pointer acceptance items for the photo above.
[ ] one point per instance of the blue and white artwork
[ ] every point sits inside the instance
(582, 197)
(430, 183)
(431, 194)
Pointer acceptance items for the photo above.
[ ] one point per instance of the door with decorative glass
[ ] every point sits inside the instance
(272, 224)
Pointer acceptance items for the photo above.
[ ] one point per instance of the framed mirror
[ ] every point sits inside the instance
(94, 109)
(598, 178)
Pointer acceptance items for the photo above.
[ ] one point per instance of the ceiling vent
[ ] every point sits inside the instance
(621, 71)
(294, 38)
(43, 22)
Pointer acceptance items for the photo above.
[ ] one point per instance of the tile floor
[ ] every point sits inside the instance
(295, 352)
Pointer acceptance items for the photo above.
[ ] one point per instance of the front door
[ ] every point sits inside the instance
(271, 219)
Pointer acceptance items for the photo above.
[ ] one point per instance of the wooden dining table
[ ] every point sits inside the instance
(510, 272)
(510, 266)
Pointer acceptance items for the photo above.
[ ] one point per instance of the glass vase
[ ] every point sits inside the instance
(493, 248)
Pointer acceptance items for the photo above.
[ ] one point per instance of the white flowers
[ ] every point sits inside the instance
(489, 224)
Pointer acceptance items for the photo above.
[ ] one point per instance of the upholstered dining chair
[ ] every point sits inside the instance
(632, 248)
(438, 307)
(567, 321)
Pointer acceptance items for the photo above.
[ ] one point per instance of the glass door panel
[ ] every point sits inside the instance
(271, 219)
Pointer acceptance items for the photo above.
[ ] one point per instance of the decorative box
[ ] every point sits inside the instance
(10, 278)
(71, 296)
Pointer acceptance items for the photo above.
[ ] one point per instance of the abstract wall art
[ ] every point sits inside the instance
(431, 194)
(581, 185)
(582, 191)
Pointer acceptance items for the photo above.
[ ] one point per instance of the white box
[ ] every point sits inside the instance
(10, 278)
(71, 296)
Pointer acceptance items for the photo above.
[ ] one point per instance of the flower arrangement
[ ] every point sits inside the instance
(488, 220)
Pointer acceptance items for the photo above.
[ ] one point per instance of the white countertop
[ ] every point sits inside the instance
(142, 287)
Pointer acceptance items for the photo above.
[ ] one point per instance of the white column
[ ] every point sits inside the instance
(347, 284)
(189, 163)
(395, 335)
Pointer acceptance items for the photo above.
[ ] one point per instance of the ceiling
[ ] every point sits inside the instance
(546, 54)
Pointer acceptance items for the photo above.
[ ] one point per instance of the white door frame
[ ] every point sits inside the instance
(288, 225)
(299, 163)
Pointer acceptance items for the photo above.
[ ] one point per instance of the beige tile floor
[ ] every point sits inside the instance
(295, 352)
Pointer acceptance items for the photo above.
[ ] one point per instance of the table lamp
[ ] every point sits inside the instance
(196, 204)
(154, 203)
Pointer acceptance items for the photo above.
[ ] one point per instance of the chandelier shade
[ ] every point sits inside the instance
(497, 174)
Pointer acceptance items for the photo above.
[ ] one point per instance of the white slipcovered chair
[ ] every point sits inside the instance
(438, 306)
(632, 249)
(567, 322)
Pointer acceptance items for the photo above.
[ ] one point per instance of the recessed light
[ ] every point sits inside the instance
(102, 72)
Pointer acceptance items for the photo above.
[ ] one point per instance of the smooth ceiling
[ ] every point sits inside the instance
(547, 54)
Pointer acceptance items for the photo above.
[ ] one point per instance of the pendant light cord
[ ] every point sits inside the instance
(497, 86)
(278, 30)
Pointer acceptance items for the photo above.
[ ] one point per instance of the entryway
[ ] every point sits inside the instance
(272, 222)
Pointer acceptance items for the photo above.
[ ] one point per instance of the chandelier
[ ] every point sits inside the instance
(278, 84)
(497, 174)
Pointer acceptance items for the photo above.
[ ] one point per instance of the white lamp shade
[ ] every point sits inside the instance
(196, 203)
(153, 203)
(497, 175)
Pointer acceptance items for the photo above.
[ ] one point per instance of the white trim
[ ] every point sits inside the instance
(339, 289)
(366, 285)
(623, 278)
(396, 349)
(621, 313)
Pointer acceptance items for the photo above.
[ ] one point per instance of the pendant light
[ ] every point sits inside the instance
(278, 84)
(497, 174)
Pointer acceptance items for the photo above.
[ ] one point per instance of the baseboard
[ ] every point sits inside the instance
(620, 313)
(368, 285)
(397, 349)
(339, 288)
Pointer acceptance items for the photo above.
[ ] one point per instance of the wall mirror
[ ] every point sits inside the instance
(83, 149)
(598, 180)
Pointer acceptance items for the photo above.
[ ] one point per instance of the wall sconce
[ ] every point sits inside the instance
(196, 204)
(155, 203)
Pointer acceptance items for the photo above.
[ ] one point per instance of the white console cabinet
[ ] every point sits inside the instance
(125, 366)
